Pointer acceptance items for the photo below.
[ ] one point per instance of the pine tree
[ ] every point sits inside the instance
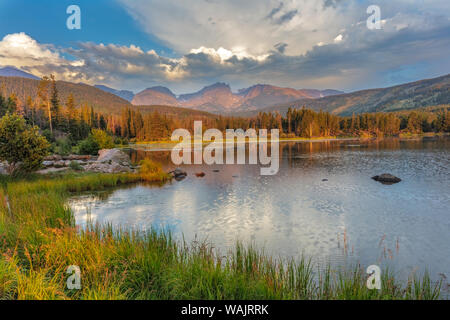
(43, 94)
(54, 101)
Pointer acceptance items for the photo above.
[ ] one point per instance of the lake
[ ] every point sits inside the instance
(322, 203)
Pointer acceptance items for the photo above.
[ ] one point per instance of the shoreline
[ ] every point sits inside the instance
(161, 143)
(117, 264)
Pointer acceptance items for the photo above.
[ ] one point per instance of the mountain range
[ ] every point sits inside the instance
(218, 98)
(408, 96)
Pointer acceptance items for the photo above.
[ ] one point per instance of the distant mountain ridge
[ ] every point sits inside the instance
(216, 98)
(412, 95)
(124, 94)
(155, 96)
(219, 98)
(14, 72)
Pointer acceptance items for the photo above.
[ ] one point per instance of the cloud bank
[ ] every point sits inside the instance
(297, 43)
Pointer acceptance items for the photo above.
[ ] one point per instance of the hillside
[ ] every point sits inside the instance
(407, 96)
(101, 101)
(263, 95)
(176, 112)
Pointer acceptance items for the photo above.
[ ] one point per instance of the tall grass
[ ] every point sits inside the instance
(39, 240)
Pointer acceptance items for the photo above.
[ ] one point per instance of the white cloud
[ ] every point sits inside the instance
(338, 38)
(293, 43)
(254, 25)
(21, 50)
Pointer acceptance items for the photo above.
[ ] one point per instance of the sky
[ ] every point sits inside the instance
(188, 44)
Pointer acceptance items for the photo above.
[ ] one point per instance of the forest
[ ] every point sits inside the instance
(65, 123)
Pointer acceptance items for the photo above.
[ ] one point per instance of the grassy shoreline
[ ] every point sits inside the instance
(39, 240)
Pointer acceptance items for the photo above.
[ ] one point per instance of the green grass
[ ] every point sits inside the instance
(39, 240)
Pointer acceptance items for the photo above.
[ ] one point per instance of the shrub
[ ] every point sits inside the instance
(104, 140)
(75, 166)
(149, 166)
(152, 171)
(62, 146)
(48, 135)
(75, 149)
(21, 145)
(120, 141)
(88, 146)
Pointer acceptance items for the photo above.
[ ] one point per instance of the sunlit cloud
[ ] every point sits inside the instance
(297, 43)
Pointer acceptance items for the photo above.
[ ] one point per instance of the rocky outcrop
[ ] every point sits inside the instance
(386, 178)
(52, 170)
(58, 162)
(113, 155)
(111, 161)
(105, 167)
(108, 161)
(55, 161)
(57, 157)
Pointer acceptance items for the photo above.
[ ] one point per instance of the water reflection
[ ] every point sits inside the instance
(321, 203)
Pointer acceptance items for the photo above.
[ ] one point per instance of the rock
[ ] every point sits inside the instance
(177, 173)
(179, 178)
(200, 174)
(48, 163)
(114, 156)
(109, 161)
(51, 170)
(103, 167)
(53, 157)
(216, 170)
(324, 180)
(386, 178)
(3, 167)
(59, 164)
(72, 157)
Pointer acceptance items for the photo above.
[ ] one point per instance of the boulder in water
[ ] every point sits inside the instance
(386, 178)
(178, 173)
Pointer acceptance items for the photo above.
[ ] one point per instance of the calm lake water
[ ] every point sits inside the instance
(405, 225)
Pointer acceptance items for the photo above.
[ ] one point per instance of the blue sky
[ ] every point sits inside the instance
(134, 44)
(102, 21)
